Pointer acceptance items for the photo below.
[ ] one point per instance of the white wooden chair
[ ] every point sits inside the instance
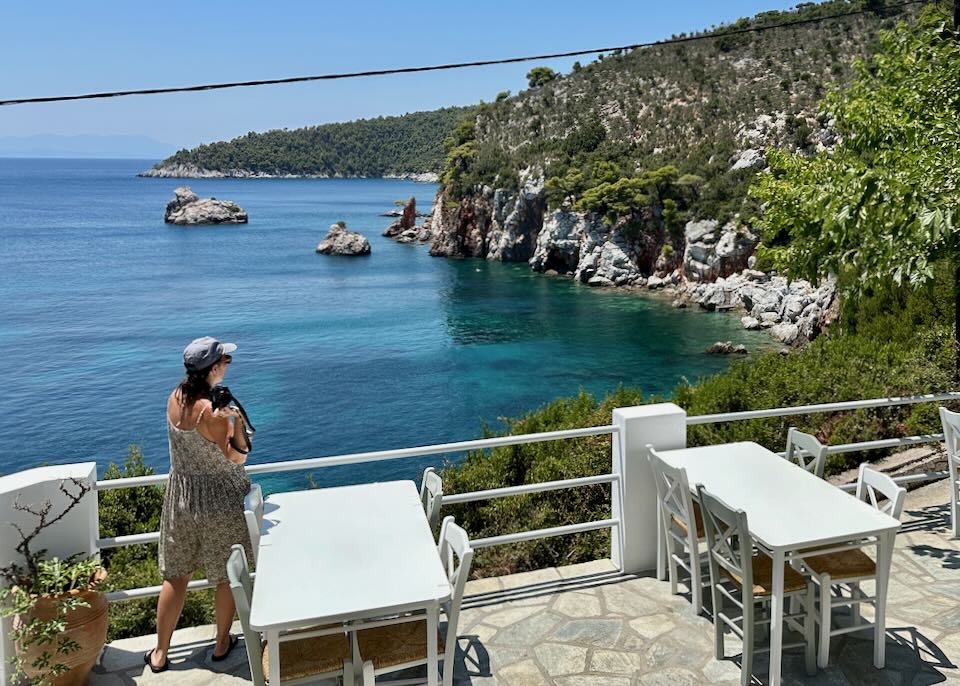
(806, 451)
(951, 437)
(431, 495)
(401, 643)
(842, 571)
(744, 578)
(305, 656)
(682, 526)
(253, 514)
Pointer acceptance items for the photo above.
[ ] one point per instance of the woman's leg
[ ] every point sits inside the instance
(225, 611)
(169, 606)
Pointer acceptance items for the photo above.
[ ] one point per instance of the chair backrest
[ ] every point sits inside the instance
(951, 438)
(456, 556)
(806, 451)
(253, 514)
(728, 541)
(431, 495)
(881, 491)
(241, 586)
(673, 492)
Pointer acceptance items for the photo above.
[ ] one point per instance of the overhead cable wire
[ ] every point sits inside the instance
(455, 65)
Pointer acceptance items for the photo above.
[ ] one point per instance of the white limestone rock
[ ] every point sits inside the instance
(751, 158)
(711, 251)
(187, 209)
(340, 241)
(785, 333)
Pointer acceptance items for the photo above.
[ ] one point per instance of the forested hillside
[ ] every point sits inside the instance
(709, 108)
(412, 143)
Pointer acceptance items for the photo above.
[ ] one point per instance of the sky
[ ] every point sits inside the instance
(57, 48)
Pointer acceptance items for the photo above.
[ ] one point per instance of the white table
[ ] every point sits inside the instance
(341, 554)
(788, 509)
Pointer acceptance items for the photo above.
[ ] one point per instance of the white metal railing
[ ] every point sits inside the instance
(503, 441)
(376, 456)
(825, 407)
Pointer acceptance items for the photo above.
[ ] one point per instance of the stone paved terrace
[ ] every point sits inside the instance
(588, 626)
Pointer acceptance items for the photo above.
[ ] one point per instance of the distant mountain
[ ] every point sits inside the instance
(408, 145)
(54, 145)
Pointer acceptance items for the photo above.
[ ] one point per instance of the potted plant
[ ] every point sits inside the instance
(59, 616)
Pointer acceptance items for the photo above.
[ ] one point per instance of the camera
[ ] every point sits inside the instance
(220, 396)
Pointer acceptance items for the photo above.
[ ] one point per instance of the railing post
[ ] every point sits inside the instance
(664, 426)
(76, 533)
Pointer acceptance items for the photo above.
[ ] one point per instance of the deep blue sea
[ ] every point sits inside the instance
(98, 297)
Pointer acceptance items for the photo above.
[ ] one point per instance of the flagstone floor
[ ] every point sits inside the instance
(587, 625)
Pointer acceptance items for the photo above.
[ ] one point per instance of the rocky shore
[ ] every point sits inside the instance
(187, 208)
(189, 171)
(709, 265)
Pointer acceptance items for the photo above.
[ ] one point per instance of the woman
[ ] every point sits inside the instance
(203, 504)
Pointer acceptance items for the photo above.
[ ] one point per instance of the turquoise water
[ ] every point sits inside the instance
(98, 298)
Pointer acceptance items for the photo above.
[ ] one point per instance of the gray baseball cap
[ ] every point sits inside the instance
(204, 352)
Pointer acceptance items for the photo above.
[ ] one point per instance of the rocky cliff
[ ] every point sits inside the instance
(493, 224)
(711, 266)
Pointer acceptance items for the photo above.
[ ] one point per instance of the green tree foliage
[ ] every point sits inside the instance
(366, 147)
(883, 207)
(540, 76)
(681, 105)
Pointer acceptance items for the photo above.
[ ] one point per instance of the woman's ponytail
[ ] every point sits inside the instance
(194, 387)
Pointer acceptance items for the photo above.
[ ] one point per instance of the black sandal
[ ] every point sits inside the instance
(148, 660)
(233, 644)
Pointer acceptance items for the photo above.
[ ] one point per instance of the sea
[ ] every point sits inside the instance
(98, 297)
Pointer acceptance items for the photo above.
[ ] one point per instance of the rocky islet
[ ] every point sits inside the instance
(188, 209)
(340, 241)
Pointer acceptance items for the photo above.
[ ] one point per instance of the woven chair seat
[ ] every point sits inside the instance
(698, 518)
(308, 656)
(843, 564)
(396, 644)
(763, 577)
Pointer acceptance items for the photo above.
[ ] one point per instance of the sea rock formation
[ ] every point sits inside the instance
(187, 208)
(407, 220)
(340, 241)
(726, 348)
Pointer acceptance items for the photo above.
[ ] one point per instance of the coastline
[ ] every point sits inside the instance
(191, 172)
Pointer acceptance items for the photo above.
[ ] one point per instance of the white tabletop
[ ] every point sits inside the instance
(336, 554)
(787, 507)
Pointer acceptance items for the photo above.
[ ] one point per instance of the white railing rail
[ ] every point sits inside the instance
(503, 441)
(378, 455)
(420, 451)
(825, 407)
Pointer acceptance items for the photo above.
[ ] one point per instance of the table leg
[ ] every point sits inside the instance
(885, 543)
(273, 644)
(776, 618)
(432, 661)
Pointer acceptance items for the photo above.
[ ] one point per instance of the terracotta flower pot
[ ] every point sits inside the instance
(85, 625)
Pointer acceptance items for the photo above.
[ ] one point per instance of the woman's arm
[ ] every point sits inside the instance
(220, 427)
